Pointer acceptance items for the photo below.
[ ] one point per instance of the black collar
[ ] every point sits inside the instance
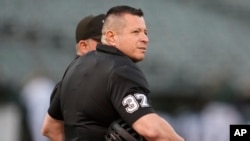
(77, 56)
(109, 49)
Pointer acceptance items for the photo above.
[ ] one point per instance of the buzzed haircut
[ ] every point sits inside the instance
(124, 9)
(114, 18)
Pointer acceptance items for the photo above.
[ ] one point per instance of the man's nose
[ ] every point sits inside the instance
(145, 38)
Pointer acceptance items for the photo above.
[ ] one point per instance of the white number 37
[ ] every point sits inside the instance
(131, 101)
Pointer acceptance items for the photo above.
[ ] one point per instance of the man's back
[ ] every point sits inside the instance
(91, 92)
(87, 35)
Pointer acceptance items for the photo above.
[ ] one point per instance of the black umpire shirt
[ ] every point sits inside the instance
(98, 88)
(54, 109)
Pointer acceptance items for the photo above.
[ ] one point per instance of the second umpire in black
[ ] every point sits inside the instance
(106, 84)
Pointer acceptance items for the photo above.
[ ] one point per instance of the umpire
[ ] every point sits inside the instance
(105, 85)
(88, 35)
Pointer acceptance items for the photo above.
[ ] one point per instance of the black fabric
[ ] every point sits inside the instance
(55, 110)
(95, 92)
(55, 107)
(55, 91)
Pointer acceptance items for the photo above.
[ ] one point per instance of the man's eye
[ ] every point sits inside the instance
(136, 31)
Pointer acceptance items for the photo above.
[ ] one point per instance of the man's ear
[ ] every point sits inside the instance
(111, 37)
(82, 47)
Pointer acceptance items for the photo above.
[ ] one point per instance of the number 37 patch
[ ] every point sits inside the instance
(134, 102)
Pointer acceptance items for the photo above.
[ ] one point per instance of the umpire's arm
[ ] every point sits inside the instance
(53, 129)
(53, 126)
(154, 128)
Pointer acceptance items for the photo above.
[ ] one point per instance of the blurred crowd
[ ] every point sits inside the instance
(23, 108)
(197, 67)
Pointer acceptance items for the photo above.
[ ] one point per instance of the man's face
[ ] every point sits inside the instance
(133, 39)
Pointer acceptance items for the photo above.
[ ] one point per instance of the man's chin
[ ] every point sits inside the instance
(138, 59)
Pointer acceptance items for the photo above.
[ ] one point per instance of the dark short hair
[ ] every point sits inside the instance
(124, 9)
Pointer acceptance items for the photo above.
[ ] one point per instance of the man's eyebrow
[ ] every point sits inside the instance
(138, 28)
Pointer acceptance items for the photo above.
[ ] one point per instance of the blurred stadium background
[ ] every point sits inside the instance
(197, 64)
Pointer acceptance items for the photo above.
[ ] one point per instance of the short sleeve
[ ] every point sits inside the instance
(55, 90)
(129, 92)
(55, 109)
